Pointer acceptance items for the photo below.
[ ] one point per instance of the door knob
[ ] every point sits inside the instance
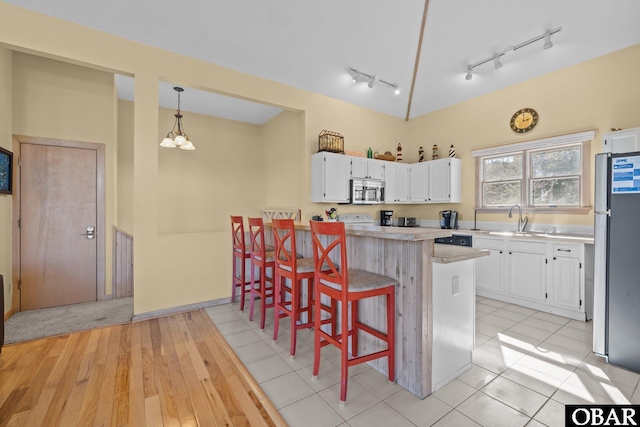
(91, 232)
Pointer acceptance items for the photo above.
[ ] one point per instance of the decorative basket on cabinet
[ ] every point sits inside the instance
(331, 141)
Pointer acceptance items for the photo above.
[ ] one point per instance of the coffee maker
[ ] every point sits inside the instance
(448, 219)
(386, 218)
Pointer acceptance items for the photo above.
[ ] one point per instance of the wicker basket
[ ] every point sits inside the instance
(331, 141)
(386, 156)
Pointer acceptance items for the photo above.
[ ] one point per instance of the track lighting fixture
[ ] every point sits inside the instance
(372, 80)
(496, 57)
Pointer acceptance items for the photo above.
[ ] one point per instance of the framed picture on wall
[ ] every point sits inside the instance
(6, 158)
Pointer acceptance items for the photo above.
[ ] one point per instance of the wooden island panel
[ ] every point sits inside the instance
(405, 255)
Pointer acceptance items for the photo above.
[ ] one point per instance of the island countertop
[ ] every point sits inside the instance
(381, 232)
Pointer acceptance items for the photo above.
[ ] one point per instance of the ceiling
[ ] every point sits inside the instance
(311, 44)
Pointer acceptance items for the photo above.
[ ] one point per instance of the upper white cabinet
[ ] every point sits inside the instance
(621, 141)
(444, 181)
(330, 177)
(362, 167)
(397, 182)
(435, 181)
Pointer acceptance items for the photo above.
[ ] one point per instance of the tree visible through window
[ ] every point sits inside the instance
(540, 178)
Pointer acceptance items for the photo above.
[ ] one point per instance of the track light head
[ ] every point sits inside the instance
(469, 75)
(396, 90)
(496, 61)
(373, 80)
(547, 40)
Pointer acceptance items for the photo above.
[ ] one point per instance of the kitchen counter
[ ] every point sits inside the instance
(447, 254)
(560, 237)
(393, 233)
(423, 351)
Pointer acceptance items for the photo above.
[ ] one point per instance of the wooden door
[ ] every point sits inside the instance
(58, 201)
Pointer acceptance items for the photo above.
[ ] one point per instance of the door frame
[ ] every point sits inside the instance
(100, 210)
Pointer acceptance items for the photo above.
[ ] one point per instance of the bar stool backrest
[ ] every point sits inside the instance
(237, 233)
(329, 239)
(256, 233)
(284, 240)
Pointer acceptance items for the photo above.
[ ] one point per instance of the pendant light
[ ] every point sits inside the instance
(177, 137)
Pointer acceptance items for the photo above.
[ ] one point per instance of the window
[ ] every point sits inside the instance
(543, 175)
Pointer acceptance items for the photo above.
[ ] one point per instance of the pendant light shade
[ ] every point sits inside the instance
(177, 137)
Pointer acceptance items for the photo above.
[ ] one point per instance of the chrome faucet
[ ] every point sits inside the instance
(522, 224)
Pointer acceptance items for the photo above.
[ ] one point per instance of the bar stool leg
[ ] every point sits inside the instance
(344, 351)
(391, 333)
(251, 293)
(354, 326)
(277, 292)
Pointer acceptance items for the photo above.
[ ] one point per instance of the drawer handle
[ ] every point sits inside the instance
(564, 250)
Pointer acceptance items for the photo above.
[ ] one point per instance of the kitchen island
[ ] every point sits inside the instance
(407, 255)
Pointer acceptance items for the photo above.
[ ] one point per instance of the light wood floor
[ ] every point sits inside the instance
(172, 371)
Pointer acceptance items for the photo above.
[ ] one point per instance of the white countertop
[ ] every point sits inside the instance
(559, 237)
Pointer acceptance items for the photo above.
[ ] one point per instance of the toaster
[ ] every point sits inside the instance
(407, 221)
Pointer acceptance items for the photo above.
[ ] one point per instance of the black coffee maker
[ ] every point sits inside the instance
(448, 219)
(386, 218)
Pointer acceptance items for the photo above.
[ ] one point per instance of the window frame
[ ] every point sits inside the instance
(582, 140)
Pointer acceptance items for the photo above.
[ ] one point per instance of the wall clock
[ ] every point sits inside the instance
(524, 120)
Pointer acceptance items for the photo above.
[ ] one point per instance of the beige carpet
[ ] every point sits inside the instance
(47, 322)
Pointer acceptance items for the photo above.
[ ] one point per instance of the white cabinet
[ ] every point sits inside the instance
(444, 181)
(436, 181)
(362, 167)
(491, 270)
(622, 141)
(418, 189)
(397, 182)
(567, 276)
(546, 275)
(527, 276)
(330, 177)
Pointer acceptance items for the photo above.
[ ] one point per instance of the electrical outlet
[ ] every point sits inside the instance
(455, 285)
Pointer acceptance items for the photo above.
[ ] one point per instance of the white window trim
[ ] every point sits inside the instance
(535, 144)
(553, 142)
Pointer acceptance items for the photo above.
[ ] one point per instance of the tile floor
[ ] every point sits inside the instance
(526, 366)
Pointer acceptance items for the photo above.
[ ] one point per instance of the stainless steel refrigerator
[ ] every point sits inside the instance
(616, 314)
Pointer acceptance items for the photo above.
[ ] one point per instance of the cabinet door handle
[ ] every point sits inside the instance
(563, 250)
(554, 258)
(500, 251)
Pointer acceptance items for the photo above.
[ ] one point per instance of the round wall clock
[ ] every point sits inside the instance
(524, 120)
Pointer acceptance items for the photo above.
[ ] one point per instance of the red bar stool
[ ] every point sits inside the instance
(348, 287)
(261, 259)
(241, 252)
(290, 266)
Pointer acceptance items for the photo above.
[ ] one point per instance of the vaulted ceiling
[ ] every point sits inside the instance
(312, 44)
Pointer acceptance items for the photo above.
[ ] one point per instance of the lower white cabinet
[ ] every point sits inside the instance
(527, 275)
(567, 261)
(544, 275)
(491, 270)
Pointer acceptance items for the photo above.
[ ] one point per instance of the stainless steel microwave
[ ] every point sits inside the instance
(367, 191)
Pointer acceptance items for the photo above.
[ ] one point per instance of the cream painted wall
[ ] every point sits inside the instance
(6, 117)
(124, 162)
(284, 158)
(198, 190)
(59, 100)
(597, 94)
